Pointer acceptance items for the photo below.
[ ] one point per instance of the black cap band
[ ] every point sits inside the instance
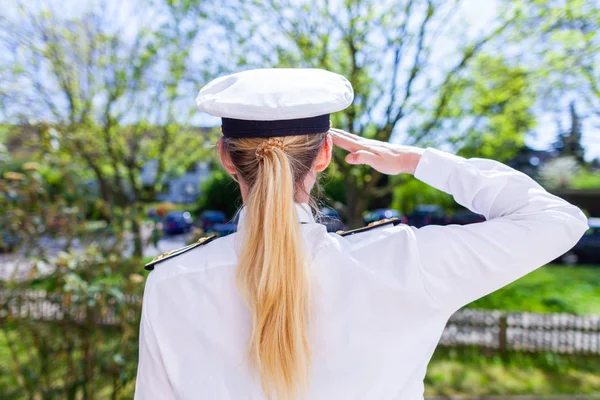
(242, 128)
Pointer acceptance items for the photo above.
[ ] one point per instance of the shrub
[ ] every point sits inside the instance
(219, 192)
(69, 317)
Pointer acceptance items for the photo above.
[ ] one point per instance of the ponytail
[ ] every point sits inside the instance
(272, 275)
(272, 278)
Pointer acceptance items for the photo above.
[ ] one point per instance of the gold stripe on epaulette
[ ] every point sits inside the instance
(176, 252)
(372, 225)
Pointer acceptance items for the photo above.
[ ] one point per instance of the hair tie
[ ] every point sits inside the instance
(267, 145)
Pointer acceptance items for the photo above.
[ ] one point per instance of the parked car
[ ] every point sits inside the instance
(331, 219)
(587, 250)
(466, 217)
(427, 214)
(177, 222)
(223, 229)
(209, 218)
(384, 213)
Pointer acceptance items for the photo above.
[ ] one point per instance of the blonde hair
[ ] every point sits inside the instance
(272, 274)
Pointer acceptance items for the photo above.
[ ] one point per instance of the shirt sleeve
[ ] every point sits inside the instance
(152, 380)
(526, 228)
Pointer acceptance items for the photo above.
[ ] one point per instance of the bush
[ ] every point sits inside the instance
(219, 192)
(413, 192)
(68, 321)
(76, 335)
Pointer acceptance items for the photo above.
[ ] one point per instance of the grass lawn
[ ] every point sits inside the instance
(553, 288)
(473, 372)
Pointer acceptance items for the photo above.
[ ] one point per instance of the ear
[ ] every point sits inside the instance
(224, 158)
(324, 157)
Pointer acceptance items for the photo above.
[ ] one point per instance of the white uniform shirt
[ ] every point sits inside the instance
(381, 298)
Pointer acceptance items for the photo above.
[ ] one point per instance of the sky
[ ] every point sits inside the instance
(478, 16)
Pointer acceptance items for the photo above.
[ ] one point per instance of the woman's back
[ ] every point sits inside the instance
(379, 297)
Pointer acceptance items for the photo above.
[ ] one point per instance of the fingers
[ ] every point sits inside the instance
(346, 144)
(363, 157)
(346, 141)
(343, 133)
(359, 140)
(362, 151)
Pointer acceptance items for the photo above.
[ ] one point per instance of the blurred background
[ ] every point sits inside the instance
(104, 164)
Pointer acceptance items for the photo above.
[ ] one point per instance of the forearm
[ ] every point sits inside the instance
(490, 188)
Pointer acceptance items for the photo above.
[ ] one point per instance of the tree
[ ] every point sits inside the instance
(563, 53)
(569, 142)
(108, 97)
(490, 110)
(389, 51)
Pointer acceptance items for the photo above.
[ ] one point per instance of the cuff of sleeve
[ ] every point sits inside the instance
(435, 167)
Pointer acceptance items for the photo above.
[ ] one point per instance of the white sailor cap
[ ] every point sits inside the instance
(275, 101)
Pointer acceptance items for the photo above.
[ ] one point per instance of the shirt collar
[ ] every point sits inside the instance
(303, 209)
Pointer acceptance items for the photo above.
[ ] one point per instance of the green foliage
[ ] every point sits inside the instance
(490, 110)
(552, 288)
(414, 192)
(219, 192)
(78, 356)
(562, 41)
(61, 182)
(331, 189)
(586, 179)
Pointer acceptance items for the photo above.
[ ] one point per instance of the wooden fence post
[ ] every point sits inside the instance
(502, 333)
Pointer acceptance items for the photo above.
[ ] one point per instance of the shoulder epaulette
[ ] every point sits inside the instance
(372, 225)
(176, 252)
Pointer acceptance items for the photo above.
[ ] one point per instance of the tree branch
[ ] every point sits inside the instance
(446, 86)
(414, 71)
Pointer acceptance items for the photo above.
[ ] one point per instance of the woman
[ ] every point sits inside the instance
(283, 309)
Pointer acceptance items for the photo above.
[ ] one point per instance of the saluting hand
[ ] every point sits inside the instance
(387, 158)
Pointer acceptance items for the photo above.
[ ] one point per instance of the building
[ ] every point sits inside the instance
(181, 189)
